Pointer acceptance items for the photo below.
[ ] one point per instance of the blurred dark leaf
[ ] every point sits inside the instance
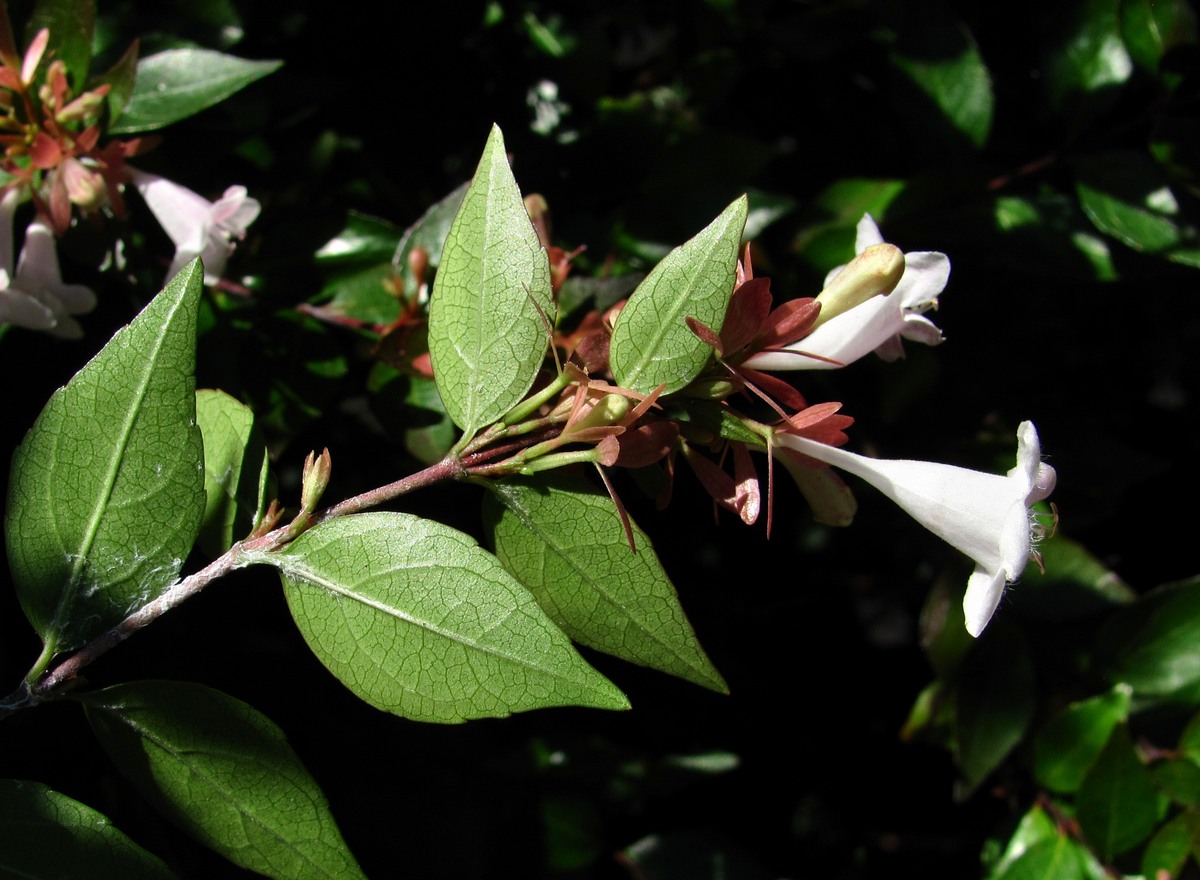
(1069, 743)
(1118, 806)
(1154, 645)
(996, 698)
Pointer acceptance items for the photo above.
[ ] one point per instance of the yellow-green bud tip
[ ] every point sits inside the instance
(874, 272)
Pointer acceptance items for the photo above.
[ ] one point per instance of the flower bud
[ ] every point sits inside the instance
(314, 479)
(874, 272)
(608, 410)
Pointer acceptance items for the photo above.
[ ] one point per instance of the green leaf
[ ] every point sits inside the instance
(179, 83)
(1071, 741)
(1035, 827)
(236, 469)
(222, 772)
(703, 421)
(1057, 858)
(1189, 740)
(1178, 779)
(70, 24)
(1151, 28)
(107, 488)
(1075, 583)
(831, 219)
(1118, 806)
(429, 233)
(362, 294)
(1087, 59)
(1169, 848)
(1127, 195)
(565, 542)
(410, 407)
(652, 344)
(418, 620)
(491, 299)
(364, 239)
(1155, 645)
(942, 61)
(45, 835)
(995, 702)
(121, 79)
(1049, 230)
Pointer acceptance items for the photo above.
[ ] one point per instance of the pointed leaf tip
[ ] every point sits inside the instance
(652, 343)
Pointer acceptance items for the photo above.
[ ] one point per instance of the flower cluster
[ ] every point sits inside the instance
(986, 516)
(53, 158)
(870, 305)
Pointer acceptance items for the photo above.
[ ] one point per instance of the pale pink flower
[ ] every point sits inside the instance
(198, 227)
(34, 296)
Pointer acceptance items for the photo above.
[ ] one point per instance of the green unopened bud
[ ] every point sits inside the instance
(711, 389)
(874, 272)
(314, 479)
(608, 410)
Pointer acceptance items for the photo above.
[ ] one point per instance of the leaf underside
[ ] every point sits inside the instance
(420, 621)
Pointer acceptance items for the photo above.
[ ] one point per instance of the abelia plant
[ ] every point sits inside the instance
(577, 388)
(110, 491)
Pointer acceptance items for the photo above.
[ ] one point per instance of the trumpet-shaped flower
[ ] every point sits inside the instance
(198, 227)
(986, 516)
(35, 296)
(874, 325)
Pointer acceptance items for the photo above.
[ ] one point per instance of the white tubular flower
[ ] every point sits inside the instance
(35, 296)
(198, 227)
(874, 325)
(986, 516)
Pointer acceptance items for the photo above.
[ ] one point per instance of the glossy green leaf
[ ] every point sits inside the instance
(120, 79)
(1151, 27)
(1178, 779)
(827, 237)
(1072, 740)
(1128, 196)
(429, 436)
(236, 468)
(564, 541)
(70, 24)
(652, 344)
(1035, 827)
(1189, 740)
(491, 299)
(1057, 858)
(1075, 582)
(179, 83)
(429, 233)
(1088, 57)
(1049, 230)
(45, 835)
(1169, 848)
(418, 620)
(995, 702)
(1155, 645)
(107, 488)
(362, 294)
(1118, 805)
(224, 773)
(363, 239)
(942, 61)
